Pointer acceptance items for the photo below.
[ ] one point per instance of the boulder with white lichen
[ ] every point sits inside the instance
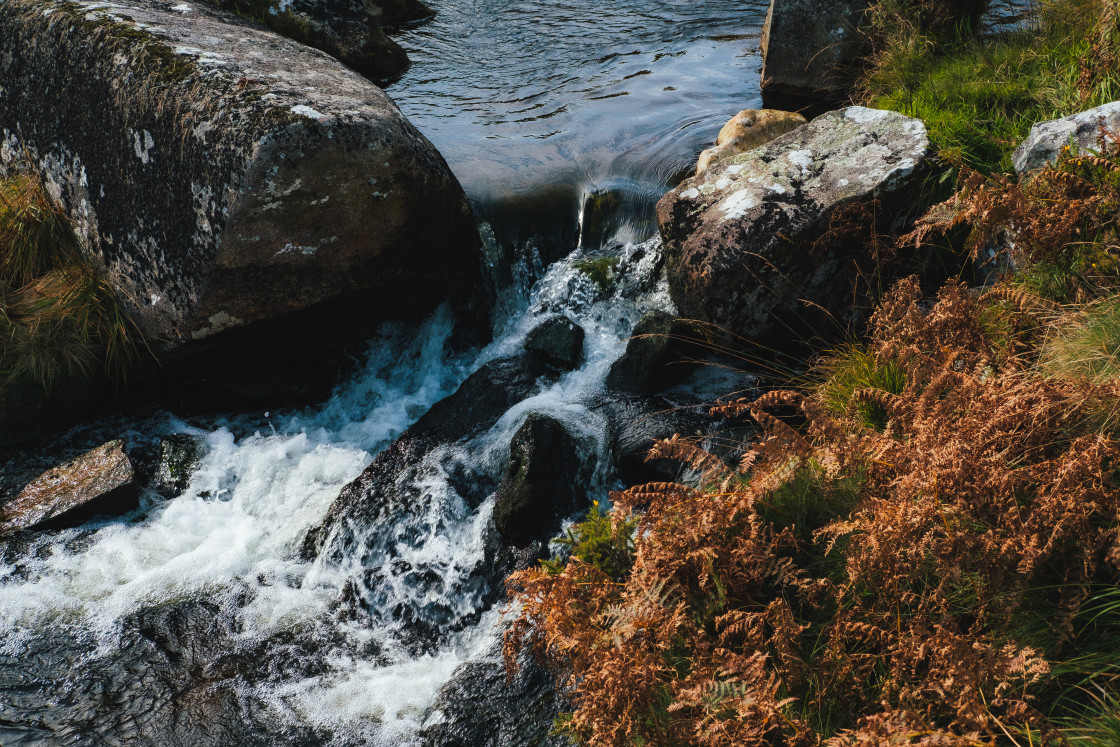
(739, 237)
(241, 190)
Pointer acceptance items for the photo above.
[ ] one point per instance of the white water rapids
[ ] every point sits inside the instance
(239, 525)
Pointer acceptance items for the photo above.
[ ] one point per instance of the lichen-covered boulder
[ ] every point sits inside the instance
(809, 51)
(101, 481)
(748, 130)
(1082, 130)
(349, 30)
(225, 177)
(738, 237)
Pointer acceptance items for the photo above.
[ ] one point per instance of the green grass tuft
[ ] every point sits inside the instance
(850, 369)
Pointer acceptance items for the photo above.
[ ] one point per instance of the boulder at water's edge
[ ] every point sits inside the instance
(738, 237)
(809, 51)
(228, 179)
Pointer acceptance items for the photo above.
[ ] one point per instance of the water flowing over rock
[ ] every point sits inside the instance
(179, 455)
(738, 238)
(745, 131)
(377, 493)
(227, 178)
(1082, 130)
(809, 51)
(101, 481)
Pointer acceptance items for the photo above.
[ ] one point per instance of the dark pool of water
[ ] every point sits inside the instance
(536, 101)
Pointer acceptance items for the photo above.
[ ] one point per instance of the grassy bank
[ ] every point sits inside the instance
(979, 94)
(923, 544)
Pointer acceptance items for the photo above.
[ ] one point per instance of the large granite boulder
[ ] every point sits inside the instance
(227, 179)
(101, 481)
(738, 238)
(352, 31)
(810, 50)
(1082, 130)
(745, 131)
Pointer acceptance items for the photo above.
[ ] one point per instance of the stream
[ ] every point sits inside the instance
(197, 619)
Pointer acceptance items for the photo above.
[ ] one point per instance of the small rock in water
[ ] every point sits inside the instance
(558, 341)
(179, 455)
(101, 481)
(748, 130)
(541, 484)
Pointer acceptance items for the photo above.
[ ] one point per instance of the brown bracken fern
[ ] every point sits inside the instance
(845, 583)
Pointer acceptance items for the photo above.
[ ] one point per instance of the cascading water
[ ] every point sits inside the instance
(233, 536)
(199, 619)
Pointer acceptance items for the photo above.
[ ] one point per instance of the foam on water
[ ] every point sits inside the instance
(240, 523)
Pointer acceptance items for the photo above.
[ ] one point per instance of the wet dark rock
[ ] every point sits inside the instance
(179, 457)
(385, 487)
(163, 683)
(636, 422)
(739, 238)
(227, 178)
(480, 707)
(557, 341)
(661, 351)
(1083, 130)
(810, 52)
(101, 481)
(543, 483)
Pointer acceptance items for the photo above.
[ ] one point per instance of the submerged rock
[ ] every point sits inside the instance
(557, 341)
(809, 52)
(542, 483)
(748, 130)
(738, 238)
(1082, 130)
(229, 180)
(101, 481)
(351, 31)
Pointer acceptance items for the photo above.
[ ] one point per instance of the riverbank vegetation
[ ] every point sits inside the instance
(60, 323)
(922, 546)
(980, 92)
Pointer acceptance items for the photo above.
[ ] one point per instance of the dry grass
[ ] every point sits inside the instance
(60, 321)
